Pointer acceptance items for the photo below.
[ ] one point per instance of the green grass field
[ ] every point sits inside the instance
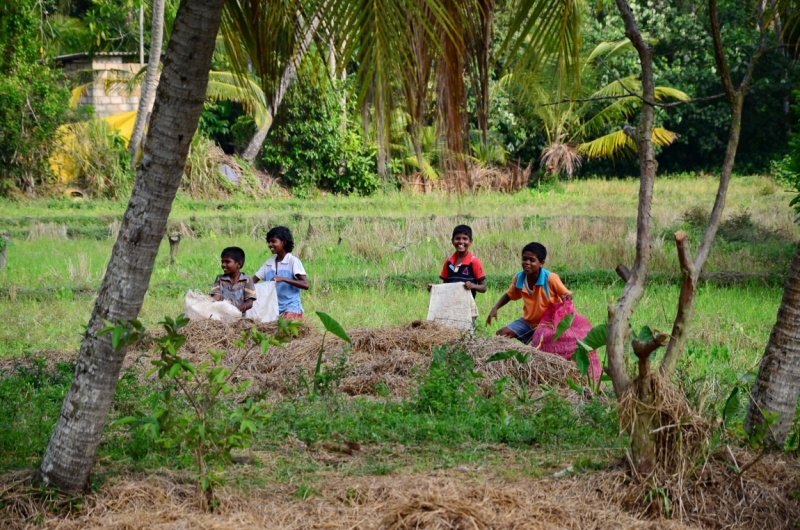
(369, 260)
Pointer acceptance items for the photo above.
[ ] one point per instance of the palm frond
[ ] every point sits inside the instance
(546, 32)
(76, 93)
(221, 88)
(620, 145)
(665, 92)
(560, 157)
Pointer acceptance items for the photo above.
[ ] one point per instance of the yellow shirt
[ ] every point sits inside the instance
(536, 301)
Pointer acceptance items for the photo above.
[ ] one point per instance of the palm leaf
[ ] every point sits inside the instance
(620, 145)
(221, 87)
(76, 93)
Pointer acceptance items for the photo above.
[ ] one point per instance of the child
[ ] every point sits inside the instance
(538, 288)
(234, 286)
(463, 266)
(286, 271)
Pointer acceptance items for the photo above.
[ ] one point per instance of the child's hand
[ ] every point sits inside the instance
(430, 286)
(242, 307)
(567, 297)
(278, 279)
(469, 286)
(492, 315)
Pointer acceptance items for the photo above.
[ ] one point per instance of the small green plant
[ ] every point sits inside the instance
(323, 379)
(596, 338)
(448, 386)
(190, 411)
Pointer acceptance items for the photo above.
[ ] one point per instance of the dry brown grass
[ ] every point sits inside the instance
(386, 357)
(436, 500)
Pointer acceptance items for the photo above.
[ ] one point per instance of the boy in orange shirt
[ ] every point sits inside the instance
(538, 288)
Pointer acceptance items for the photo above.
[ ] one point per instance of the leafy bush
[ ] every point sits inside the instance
(32, 107)
(306, 147)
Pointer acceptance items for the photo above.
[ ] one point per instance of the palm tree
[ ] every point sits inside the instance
(71, 452)
(148, 94)
(777, 385)
(372, 31)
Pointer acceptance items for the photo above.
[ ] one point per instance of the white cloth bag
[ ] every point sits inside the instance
(452, 305)
(265, 307)
(198, 305)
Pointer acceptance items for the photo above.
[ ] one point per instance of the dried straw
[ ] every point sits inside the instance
(604, 500)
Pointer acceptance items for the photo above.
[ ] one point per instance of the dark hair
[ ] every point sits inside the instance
(538, 250)
(284, 234)
(462, 229)
(235, 253)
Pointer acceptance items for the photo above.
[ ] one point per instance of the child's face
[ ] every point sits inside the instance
(229, 266)
(531, 263)
(275, 245)
(461, 242)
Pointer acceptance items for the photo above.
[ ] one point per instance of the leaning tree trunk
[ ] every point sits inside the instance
(777, 386)
(179, 103)
(289, 73)
(619, 314)
(148, 92)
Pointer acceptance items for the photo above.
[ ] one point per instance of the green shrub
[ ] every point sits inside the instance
(306, 147)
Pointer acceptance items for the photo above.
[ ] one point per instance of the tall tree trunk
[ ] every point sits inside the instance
(619, 314)
(289, 73)
(72, 449)
(148, 91)
(777, 386)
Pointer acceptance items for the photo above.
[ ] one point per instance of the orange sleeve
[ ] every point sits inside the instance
(513, 292)
(477, 268)
(557, 286)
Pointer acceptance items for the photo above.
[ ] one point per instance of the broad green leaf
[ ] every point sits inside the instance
(563, 326)
(646, 334)
(732, 406)
(574, 386)
(523, 358)
(502, 356)
(596, 338)
(582, 360)
(116, 337)
(124, 421)
(334, 327)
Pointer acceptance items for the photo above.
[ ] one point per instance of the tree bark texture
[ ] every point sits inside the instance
(71, 452)
(777, 386)
(148, 91)
(289, 73)
(619, 314)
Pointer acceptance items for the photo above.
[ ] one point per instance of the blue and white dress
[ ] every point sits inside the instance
(288, 295)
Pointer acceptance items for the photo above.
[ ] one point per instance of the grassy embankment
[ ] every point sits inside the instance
(368, 261)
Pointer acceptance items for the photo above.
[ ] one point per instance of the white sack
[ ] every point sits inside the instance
(452, 306)
(265, 307)
(198, 305)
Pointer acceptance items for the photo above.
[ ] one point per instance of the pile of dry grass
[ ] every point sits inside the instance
(385, 357)
(386, 503)
(436, 501)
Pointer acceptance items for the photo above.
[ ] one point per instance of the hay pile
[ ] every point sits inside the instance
(386, 503)
(388, 357)
(435, 501)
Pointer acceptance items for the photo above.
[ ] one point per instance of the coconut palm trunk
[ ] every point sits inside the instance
(289, 73)
(71, 452)
(148, 92)
(777, 386)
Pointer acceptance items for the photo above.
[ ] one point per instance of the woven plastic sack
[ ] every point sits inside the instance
(197, 306)
(568, 341)
(452, 305)
(265, 307)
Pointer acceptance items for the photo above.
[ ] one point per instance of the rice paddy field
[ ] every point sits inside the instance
(481, 458)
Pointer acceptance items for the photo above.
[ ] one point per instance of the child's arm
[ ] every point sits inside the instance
(300, 281)
(478, 287)
(244, 306)
(500, 303)
(215, 290)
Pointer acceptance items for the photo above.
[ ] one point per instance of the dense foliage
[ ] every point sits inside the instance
(33, 103)
(308, 148)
